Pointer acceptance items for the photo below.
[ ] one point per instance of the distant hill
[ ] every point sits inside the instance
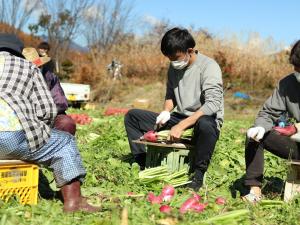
(77, 47)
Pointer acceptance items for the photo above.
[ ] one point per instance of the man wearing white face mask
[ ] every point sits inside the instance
(285, 100)
(194, 98)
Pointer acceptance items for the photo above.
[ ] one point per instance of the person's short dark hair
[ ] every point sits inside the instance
(44, 45)
(295, 55)
(176, 40)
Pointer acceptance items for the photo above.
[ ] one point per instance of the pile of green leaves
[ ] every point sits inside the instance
(161, 175)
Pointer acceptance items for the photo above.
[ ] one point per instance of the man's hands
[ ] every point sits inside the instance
(175, 133)
(256, 133)
(163, 117)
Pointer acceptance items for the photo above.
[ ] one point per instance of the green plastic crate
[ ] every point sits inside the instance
(174, 158)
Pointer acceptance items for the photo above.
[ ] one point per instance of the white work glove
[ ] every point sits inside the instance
(256, 133)
(163, 117)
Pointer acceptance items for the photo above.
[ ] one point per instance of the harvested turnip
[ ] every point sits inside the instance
(168, 192)
(165, 209)
(220, 200)
(154, 199)
(188, 205)
(150, 136)
(150, 196)
(199, 207)
(157, 200)
(197, 197)
(167, 198)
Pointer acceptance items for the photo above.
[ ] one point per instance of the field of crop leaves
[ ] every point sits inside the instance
(111, 175)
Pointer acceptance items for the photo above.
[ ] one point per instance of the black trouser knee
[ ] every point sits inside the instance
(205, 137)
(137, 122)
(275, 143)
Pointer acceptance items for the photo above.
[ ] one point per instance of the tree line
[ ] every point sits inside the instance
(100, 23)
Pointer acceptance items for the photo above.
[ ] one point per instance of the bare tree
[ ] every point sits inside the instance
(157, 30)
(60, 21)
(109, 21)
(16, 13)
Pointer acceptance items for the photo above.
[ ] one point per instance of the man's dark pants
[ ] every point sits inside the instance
(275, 143)
(206, 134)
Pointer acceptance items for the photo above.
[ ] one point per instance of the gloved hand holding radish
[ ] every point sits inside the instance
(175, 132)
(273, 128)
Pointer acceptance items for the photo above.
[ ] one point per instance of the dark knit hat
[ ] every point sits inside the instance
(11, 43)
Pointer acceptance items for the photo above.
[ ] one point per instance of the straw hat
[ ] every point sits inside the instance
(32, 55)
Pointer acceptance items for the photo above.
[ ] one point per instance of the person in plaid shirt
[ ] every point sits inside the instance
(25, 96)
(62, 121)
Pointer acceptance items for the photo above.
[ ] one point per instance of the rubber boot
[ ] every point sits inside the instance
(74, 201)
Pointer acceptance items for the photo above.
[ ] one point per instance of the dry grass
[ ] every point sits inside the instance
(246, 66)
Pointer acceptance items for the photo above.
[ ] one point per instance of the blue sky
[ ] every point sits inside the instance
(270, 18)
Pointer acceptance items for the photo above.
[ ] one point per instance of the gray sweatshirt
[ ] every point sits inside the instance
(285, 99)
(197, 87)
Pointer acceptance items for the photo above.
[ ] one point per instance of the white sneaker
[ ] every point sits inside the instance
(296, 137)
(252, 197)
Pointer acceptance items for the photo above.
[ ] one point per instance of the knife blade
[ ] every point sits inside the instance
(156, 127)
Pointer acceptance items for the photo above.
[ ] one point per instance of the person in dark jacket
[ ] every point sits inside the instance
(62, 121)
(284, 102)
